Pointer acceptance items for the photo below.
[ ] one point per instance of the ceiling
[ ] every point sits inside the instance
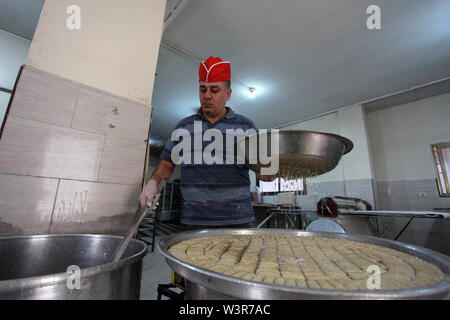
(304, 57)
(20, 17)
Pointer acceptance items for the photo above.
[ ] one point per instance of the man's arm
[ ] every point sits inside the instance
(164, 170)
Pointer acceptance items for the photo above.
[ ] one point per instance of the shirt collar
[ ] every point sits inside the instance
(230, 113)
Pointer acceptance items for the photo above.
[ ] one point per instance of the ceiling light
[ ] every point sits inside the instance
(252, 92)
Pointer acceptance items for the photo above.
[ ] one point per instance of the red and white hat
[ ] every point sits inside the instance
(214, 69)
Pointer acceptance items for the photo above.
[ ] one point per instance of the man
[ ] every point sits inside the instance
(214, 195)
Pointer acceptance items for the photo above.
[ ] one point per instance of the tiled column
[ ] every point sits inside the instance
(72, 153)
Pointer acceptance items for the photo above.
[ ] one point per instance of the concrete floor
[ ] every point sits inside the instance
(154, 271)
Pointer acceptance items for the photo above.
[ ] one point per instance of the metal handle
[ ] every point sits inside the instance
(135, 225)
(131, 231)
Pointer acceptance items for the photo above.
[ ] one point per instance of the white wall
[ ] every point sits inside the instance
(357, 163)
(13, 53)
(353, 175)
(115, 50)
(348, 122)
(401, 137)
(327, 123)
(391, 145)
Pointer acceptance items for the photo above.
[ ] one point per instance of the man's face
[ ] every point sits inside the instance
(213, 97)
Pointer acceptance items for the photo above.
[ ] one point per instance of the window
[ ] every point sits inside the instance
(441, 155)
(291, 185)
(282, 185)
(269, 187)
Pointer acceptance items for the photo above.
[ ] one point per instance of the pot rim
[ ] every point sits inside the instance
(56, 278)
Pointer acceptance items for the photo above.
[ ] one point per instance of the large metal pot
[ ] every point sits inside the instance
(36, 267)
(204, 284)
(301, 153)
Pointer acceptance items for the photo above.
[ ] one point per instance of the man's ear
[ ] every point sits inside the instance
(229, 94)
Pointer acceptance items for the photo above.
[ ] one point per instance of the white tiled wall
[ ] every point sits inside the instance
(61, 175)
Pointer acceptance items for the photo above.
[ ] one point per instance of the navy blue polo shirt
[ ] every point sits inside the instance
(213, 194)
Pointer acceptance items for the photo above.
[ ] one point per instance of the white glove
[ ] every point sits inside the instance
(150, 195)
(361, 206)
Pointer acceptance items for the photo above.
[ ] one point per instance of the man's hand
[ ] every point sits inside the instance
(149, 194)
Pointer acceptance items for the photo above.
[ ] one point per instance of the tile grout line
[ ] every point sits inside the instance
(101, 159)
(53, 208)
(68, 179)
(78, 130)
(75, 107)
(82, 85)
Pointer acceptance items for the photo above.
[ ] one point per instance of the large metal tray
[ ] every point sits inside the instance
(244, 289)
(301, 153)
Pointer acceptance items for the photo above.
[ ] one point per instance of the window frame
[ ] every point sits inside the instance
(445, 170)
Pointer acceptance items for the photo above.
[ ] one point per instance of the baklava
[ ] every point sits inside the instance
(312, 262)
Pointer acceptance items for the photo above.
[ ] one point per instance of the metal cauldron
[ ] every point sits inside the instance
(36, 267)
(206, 284)
(301, 153)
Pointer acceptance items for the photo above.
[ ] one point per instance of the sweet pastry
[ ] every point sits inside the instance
(313, 262)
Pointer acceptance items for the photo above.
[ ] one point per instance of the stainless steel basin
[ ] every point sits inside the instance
(36, 267)
(301, 153)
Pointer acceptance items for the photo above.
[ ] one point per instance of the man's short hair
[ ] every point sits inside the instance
(227, 84)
